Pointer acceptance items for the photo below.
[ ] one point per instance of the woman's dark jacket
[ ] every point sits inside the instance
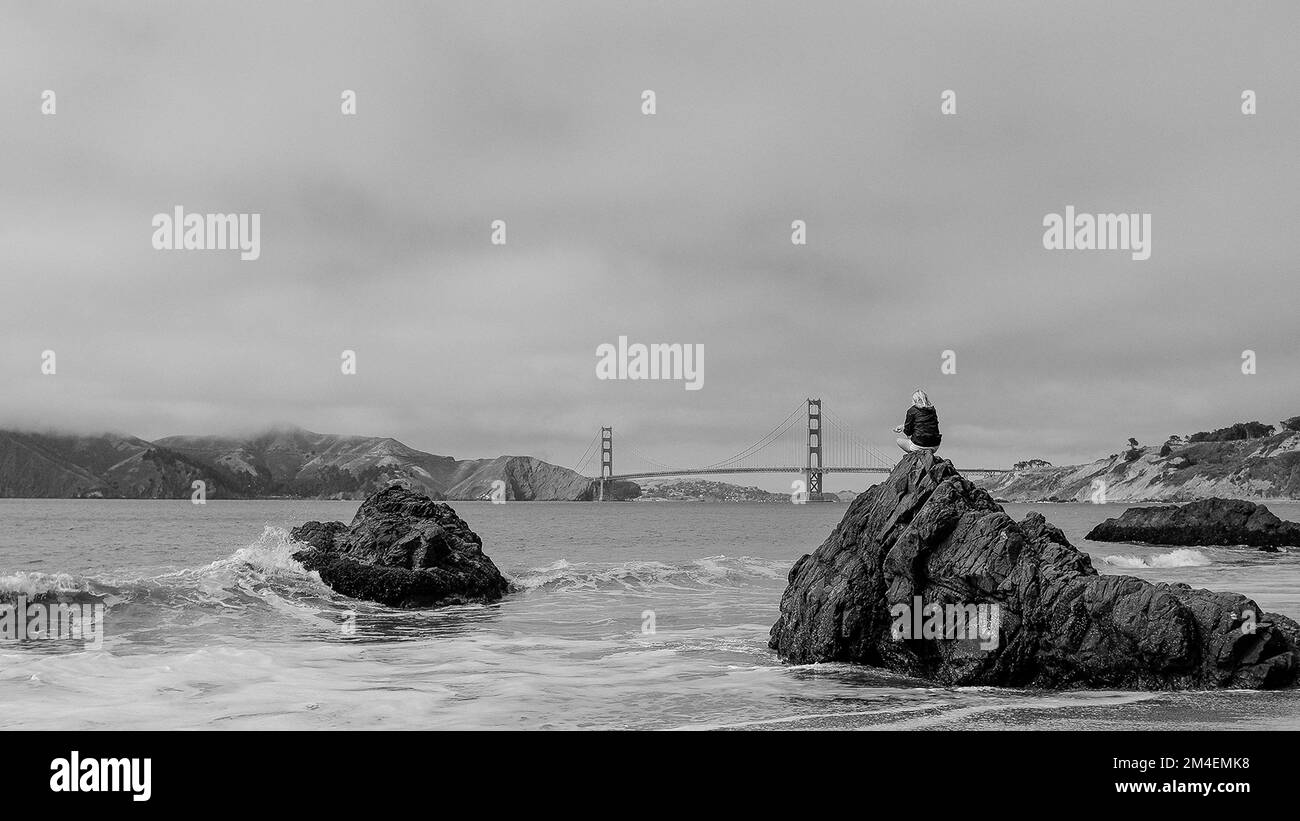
(922, 427)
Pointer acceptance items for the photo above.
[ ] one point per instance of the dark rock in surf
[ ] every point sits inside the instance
(927, 532)
(1204, 522)
(404, 550)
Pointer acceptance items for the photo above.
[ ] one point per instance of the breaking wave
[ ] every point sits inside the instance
(709, 572)
(263, 569)
(1182, 557)
(25, 583)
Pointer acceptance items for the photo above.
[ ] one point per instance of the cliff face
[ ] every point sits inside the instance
(284, 462)
(1264, 468)
(524, 478)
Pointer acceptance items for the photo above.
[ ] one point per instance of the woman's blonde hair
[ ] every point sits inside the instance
(921, 400)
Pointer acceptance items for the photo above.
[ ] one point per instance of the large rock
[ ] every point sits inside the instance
(927, 532)
(1205, 522)
(404, 550)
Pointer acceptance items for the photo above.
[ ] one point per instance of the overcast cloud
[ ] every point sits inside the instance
(924, 231)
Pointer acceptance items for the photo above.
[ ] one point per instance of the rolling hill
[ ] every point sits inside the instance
(285, 461)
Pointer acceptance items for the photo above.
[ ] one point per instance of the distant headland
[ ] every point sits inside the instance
(283, 462)
(1246, 460)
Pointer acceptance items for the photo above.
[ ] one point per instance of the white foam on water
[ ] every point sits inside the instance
(1182, 557)
(34, 584)
(708, 572)
(270, 554)
(251, 641)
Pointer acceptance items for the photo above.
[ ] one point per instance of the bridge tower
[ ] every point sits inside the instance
(606, 458)
(813, 470)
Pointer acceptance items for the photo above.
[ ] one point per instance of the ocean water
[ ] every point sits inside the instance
(210, 624)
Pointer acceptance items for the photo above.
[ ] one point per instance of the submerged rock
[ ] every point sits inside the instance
(926, 536)
(404, 550)
(1204, 522)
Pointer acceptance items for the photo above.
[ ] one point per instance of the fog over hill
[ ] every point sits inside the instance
(285, 461)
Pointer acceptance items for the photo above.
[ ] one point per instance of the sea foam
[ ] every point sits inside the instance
(1182, 557)
(711, 571)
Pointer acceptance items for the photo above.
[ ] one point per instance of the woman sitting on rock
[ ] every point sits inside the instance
(922, 425)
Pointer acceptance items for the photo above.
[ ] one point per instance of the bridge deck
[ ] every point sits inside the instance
(715, 471)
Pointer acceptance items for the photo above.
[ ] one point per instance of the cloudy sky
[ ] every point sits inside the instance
(924, 230)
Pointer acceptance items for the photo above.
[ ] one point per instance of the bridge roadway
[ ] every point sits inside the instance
(703, 471)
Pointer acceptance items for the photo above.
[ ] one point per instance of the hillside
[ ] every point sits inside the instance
(526, 478)
(1267, 467)
(292, 461)
(107, 465)
(281, 462)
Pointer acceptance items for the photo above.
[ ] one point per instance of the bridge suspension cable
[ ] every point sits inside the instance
(772, 436)
(848, 449)
(646, 459)
(581, 465)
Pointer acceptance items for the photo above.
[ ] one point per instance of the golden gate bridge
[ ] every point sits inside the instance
(825, 444)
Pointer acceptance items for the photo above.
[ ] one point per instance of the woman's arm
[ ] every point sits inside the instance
(910, 422)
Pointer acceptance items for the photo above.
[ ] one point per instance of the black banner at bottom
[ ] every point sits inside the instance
(203, 771)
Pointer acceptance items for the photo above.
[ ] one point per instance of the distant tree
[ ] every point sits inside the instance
(1134, 450)
(1030, 464)
(1292, 424)
(1172, 442)
(1234, 433)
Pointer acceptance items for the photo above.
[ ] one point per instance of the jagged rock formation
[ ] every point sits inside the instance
(927, 532)
(1206, 522)
(404, 550)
